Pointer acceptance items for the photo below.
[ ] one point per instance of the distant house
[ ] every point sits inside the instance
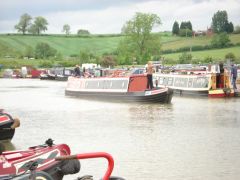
(199, 33)
(209, 32)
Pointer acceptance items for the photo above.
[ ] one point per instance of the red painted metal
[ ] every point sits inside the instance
(137, 83)
(13, 160)
(100, 155)
(90, 156)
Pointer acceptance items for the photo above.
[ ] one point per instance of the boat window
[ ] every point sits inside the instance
(113, 84)
(190, 82)
(94, 85)
(200, 82)
(165, 80)
(160, 80)
(119, 84)
(180, 82)
(170, 81)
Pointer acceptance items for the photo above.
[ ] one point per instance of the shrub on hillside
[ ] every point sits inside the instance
(83, 32)
(185, 58)
(67, 63)
(208, 59)
(44, 51)
(108, 61)
(46, 64)
(185, 32)
(220, 40)
(230, 56)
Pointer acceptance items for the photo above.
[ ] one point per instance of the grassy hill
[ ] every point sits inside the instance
(100, 44)
(66, 45)
(216, 54)
(175, 42)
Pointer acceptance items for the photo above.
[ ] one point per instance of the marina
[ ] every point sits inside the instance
(190, 138)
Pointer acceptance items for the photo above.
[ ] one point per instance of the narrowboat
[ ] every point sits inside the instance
(7, 126)
(208, 83)
(58, 74)
(124, 89)
(48, 161)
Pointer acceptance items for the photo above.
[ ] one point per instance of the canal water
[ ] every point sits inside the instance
(191, 138)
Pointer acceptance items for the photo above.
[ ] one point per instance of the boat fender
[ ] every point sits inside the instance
(70, 166)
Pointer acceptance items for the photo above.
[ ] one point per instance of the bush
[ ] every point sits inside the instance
(220, 40)
(68, 63)
(230, 56)
(108, 61)
(44, 51)
(185, 32)
(185, 58)
(208, 59)
(83, 32)
(46, 64)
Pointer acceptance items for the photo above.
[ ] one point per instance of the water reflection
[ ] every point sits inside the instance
(191, 138)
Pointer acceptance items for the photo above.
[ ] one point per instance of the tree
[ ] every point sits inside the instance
(24, 23)
(43, 51)
(39, 25)
(186, 25)
(175, 28)
(220, 22)
(66, 29)
(83, 32)
(220, 40)
(230, 28)
(139, 39)
(108, 61)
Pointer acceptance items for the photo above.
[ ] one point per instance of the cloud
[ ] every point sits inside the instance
(107, 16)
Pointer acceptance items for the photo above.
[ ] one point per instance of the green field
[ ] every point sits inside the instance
(99, 44)
(66, 45)
(216, 54)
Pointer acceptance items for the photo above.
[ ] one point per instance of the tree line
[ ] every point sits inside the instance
(39, 25)
(220, 24)
(139, 43)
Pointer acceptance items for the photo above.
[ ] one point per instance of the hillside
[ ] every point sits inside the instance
(72, 45)
(217, 54)
(66, 45)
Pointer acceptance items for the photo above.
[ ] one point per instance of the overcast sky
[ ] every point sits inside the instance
(108, 16)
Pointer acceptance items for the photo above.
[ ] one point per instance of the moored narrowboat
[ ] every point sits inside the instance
(128, 89)
(209, 84)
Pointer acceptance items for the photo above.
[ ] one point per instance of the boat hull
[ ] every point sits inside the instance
(157, 96)
(182, 92)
